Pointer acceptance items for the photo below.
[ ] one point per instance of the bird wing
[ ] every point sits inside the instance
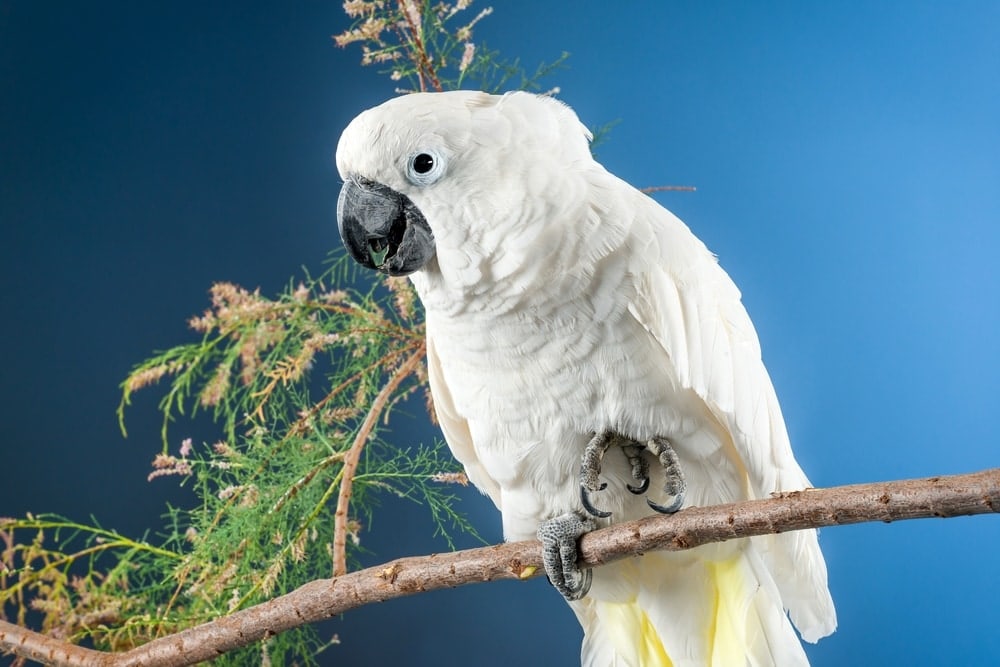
(456, 428)
(693, 309)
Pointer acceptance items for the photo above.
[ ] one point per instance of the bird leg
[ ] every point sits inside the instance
(559, 536)
(674, 484)
(659, 446)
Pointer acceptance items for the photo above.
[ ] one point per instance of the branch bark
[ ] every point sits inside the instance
(958, 495)
(353, 456)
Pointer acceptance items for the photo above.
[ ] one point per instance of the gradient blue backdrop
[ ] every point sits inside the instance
(847, 160)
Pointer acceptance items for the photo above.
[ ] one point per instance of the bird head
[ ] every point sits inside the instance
(453, 181)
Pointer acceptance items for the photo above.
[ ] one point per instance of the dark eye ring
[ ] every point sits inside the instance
(423, 163)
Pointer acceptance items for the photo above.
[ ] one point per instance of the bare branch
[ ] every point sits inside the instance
(353, 456)
(958, 495)
(667, 188)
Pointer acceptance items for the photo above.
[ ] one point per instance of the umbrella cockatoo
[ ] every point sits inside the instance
(581, 342)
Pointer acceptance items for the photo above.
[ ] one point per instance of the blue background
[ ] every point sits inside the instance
(847, 160)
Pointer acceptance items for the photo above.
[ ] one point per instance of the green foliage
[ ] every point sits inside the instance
(294, 382)
(84, 586)
(302, 387)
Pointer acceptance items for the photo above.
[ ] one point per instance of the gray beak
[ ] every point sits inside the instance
(382, 229)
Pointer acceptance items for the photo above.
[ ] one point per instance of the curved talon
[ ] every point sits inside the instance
(668, 509)
(641, 489)
(587, 505)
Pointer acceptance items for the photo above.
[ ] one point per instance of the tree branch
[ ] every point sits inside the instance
(353, 456)
(958, 495)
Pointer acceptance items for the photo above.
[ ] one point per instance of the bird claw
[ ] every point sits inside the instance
(590, 470)
(640, 468)
(641, 489)
(666, 509)
(587, 505)
(674, 485)
(559, 537)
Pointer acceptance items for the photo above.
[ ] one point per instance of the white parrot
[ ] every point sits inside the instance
(569, 314)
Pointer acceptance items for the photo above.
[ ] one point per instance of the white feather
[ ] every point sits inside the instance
(561, 302)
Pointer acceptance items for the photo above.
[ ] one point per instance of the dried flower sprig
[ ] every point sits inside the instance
(430, 46)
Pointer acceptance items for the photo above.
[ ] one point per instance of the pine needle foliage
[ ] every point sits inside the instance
(293, 381)
(302, 386)
(429, 46)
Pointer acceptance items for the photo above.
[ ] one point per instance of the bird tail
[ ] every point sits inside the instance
(711, 606)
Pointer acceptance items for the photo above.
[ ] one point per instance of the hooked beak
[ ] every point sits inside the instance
(383, 229)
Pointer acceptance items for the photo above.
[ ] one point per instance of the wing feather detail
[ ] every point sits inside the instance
(456, 428)
(693, 309)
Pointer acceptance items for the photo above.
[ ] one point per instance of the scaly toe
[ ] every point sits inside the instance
(590, 470)
(559, 538)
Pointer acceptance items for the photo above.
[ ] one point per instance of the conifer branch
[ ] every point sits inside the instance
(353, 456)
(944, 497)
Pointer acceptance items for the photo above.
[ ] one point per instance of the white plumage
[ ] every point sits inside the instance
(561, 302)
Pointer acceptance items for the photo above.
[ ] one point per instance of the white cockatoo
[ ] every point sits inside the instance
(580, 342)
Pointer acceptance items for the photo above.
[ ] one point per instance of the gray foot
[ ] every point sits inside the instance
(559, 537)
(674, 486)
(590, 470)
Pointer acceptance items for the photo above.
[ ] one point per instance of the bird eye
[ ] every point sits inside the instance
(423, 163)
(425, 167)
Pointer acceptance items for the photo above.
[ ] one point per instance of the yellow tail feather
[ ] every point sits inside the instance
(727, 632)
(705, 612)
(646, 649)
